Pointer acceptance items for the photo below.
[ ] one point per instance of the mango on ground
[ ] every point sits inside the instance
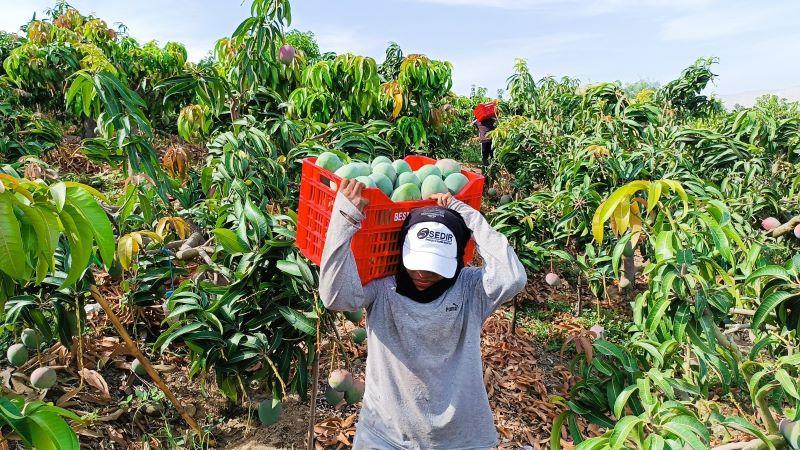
(43, 378)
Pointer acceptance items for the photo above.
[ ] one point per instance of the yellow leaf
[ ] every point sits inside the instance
(653, 194)
(607, 208)
(636, 223)
(125, 251)
(621, 216)
(398, 105)
(162, 223)
(149, 234)
(678, 189)
(137, 239)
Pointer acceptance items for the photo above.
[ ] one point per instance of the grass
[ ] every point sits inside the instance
(537, 318)
(471, 153)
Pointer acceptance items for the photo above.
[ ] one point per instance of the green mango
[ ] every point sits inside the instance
(329, 161)
(455, 182)
(406, 192)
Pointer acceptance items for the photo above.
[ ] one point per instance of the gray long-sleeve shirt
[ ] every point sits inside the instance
(424, 381)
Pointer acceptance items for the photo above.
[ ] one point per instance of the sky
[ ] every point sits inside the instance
(757, 42)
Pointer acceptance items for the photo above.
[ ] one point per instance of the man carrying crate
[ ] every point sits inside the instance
(486, 121)
(424, 382)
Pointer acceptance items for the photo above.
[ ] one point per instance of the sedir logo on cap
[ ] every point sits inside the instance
(431, 246)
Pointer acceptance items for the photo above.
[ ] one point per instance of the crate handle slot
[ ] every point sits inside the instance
(327, 181)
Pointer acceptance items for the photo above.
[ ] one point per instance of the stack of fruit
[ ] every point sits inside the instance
(396, 179)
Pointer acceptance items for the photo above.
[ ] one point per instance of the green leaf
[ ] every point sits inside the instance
(616, 255)
(229, 241)
(168, 336)
(656, 313)
(79, 236)
(595, 443)
(53, 432)
(654, 442)
(622, 430)
(787, 383)
(693, 424)
(767, 305)
(719, 238)
(555, 432)
(12, 259)
(652, 350)
(740, 424)
(771, 271)
(298, 320)
(58, 192)
(11, 415)
(257, 218)
(622, 399)
(686, 434)
(289, 267)
(97, 220)
(664, 249)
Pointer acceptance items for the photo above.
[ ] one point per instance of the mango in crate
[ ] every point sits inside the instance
(448, 167)
(433, 185)
(455, 182)
(427, 170)
(380, 160)
(407, 177)
(401, 166)
(406, 192)
(383, 183)
(329, 161)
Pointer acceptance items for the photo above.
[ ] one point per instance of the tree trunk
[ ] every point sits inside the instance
(88, 126)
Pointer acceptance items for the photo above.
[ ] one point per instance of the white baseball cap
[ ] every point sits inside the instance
(431, 246)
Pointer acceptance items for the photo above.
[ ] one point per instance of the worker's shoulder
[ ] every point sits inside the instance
(469, 276)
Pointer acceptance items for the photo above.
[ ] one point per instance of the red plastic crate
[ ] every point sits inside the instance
(485, 111)
(375, 246)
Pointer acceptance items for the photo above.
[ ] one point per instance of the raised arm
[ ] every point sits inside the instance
(503, 275)
(339, 284)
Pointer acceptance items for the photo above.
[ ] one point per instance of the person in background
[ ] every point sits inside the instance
(424, 383)
(484, 128)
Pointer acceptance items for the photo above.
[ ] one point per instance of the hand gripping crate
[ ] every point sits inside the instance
(375, 246)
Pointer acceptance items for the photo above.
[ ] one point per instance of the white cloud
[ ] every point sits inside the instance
(717, 23)
(348, 40)
(492, 67)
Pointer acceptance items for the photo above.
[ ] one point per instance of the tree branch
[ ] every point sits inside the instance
(785, 228)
